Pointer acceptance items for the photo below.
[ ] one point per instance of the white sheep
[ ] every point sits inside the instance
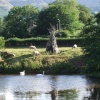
(32, 47)
(56, 50)
(74, 46)
(36, 53)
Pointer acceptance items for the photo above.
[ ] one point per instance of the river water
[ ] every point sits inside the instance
(49, 87)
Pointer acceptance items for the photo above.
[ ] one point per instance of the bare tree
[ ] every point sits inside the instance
(51, 45)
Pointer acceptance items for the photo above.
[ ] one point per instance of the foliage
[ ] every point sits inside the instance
(91, 33)
(1, 25)
(65, 11)
(63, 68)
(2, 42)
(20, 22)
(63, 33)
(42, 41)
(84, 14)
(28, 21)
(26, 41)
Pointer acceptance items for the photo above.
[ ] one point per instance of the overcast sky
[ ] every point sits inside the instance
(90, 3)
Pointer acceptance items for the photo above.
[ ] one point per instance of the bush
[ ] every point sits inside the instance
(2, 42)
(64, 33)
(41, 42)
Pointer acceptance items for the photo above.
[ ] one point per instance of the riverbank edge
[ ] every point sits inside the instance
(68, 62)
(51, 65)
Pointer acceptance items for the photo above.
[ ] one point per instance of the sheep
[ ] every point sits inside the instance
(74, 46)
(10, 54)
(56, 50)
(7, 54)
(36, 53)
(32, 47)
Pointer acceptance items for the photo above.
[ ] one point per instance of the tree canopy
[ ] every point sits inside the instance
(2, 42)
(66, 15)
(91, 33)
(1, 25)
(66, 11)
(84, 14)
(20, 22)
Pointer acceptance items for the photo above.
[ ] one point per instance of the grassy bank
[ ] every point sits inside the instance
(67, 61)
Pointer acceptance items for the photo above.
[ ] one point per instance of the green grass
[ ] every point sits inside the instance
(67, 58)
(67, 52)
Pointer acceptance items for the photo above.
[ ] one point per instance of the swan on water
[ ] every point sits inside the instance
(22, 73)
(40, 74)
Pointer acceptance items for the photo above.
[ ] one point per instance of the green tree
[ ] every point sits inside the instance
(21, 22)
(1, 25)
(84, 13)
(64, 10)
(2, 42)
(91, 33)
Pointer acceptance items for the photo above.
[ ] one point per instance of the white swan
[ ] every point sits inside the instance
(22, 73)
(40, 74)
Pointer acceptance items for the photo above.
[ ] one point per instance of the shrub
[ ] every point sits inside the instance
(42, 41)
(2, 42)
(64, 33)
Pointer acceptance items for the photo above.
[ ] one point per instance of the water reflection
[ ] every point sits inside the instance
(93, 93)
(68, 95)
(49, 87)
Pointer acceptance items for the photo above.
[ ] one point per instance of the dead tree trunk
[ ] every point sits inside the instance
(51, 45)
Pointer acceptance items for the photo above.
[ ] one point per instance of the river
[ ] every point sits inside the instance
(49, 87)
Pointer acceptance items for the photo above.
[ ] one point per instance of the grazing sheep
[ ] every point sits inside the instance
(74, 46)
(7, 54)
(56, 50)
(10, 54)
(32, 47)
(36, 53)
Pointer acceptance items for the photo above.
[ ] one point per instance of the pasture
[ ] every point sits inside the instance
(52, 63)
(63, 51)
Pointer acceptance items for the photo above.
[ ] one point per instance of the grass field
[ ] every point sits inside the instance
(67, 58)
(63, 51)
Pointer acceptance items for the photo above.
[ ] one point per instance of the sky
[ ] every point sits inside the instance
(90, 3)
